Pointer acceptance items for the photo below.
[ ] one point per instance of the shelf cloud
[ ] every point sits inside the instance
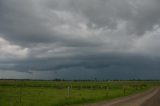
(80, 39)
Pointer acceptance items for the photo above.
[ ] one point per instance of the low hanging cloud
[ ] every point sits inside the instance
(107, 39)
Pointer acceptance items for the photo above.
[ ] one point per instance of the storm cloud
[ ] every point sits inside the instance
(80, 39)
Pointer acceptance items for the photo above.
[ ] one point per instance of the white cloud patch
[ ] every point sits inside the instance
(149, 43)
(8, 50)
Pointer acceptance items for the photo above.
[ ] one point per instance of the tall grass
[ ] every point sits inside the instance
(62, 93)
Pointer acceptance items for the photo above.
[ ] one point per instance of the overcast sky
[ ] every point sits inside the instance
(80, 39)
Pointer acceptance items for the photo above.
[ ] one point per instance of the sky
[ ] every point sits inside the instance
(80, 39)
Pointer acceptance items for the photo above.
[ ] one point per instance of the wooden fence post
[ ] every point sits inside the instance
(68, 91)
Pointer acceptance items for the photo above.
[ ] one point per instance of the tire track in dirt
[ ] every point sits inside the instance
(153, 101)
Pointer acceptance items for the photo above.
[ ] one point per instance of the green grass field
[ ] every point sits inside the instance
(62, 93)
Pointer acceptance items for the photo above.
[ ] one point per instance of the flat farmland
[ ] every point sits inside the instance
(67, 93)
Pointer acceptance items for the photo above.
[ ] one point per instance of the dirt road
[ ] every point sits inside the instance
(148, 98)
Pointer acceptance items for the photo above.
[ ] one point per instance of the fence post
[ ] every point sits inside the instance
(68, 91)
(107, 91)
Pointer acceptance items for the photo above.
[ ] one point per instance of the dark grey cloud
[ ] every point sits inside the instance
(140, 15)
(106, 39)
